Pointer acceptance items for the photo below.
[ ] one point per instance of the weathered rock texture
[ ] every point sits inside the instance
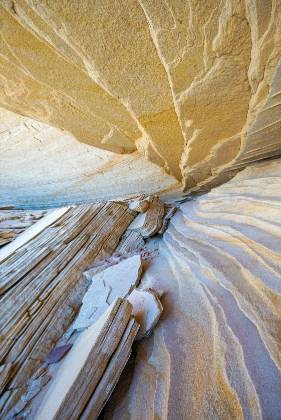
(84, 381)
(194, 86)
(41, 289)
(215, 353)
(14, 222)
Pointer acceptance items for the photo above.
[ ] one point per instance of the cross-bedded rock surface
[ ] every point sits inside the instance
(215, 353)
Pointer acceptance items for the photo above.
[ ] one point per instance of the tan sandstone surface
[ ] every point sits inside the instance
(194, 86)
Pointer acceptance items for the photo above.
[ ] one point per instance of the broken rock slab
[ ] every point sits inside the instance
(150, 222)
(169, 213)
(132, 241)
(147, 310)
(119, 280)
(79, 385)
(140, 206)
(115, 281)
(144, 312)
(112, 373)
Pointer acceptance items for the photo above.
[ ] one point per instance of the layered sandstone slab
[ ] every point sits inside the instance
(215, 352)
(84, 381)
(41, 289)
(194, 86)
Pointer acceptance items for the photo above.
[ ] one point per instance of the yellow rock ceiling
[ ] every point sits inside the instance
(192, 86)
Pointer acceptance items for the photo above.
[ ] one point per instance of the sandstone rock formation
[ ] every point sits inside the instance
(150, 103)
(216, 350)
(194, 86)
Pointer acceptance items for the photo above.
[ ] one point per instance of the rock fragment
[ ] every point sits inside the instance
(149, 223)
(147, 310)
(115, 281)
(5, 371)
(119, 280)
(169, 213)
(139, 206)
(132, 241)
(58, 353)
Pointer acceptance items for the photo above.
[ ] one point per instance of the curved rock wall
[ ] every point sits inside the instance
(215, 354)
(42, 166)
(188, 84)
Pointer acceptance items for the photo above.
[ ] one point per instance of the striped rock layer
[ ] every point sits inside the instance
(215, 354)
(41, 289)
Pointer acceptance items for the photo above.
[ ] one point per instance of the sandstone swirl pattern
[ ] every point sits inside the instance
(216, 351)
(44, 166)
(194, 86)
